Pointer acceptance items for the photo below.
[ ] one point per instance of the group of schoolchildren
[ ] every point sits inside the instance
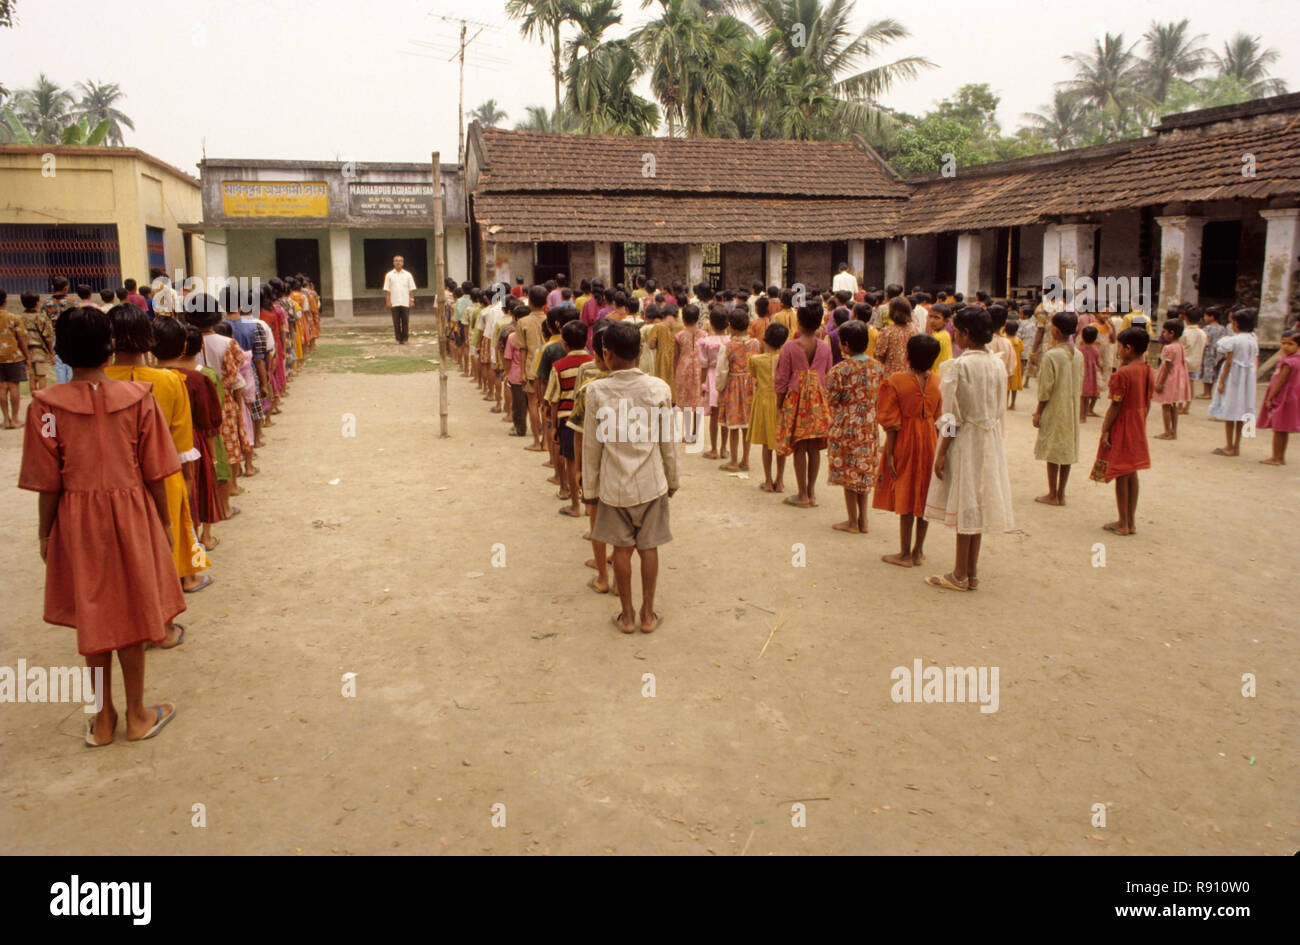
(801, 374)
(142, 422)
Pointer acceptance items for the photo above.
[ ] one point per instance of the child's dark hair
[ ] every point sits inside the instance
(900, 311)
(776, 335)
(1193, 315)
(1011, 327)
(691, 314)
(132, 331)
(975, 322)
(998, 316)
(810, 317)
(855, 337)
(1135, 338)
(1089, 334)
(223, 328)
(622, 340)
(862, 311)
(1291, 334)
(942, 309)
(193, 341)
(922, 350)
(738, 319)
(1067, 323)
(1173, 325)
(83, 337)
(30, 300)
(1244, 319)
(761, 306)
(718, 317)
(574, 334)
(168, 339)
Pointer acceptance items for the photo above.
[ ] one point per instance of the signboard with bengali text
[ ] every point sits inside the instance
(275, 198)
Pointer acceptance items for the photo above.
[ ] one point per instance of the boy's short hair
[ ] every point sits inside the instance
(623, 340)
(30, 300)
(107, 295)
(1174, 325)
(1193, 314)
(1067, 323)
(1245, 319)
(1011, 327)
(1135, 338)
(998, 316)
(83, 337)
(121, 293)
(855, 336)
(574, 334)
(129, 284)
(59, 283)
(922, 350)
(761, 306)
(941, 309)
(537, 296)
(738, 319)
(1089, 334)
(862, 311)
(776, 335)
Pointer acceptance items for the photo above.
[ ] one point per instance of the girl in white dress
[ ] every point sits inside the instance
(1234, 394)
(970, 488)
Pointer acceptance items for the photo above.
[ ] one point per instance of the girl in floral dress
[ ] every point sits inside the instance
(801, 396)
(687, 389)
(736, 388)
(708, 348)
(851, 390)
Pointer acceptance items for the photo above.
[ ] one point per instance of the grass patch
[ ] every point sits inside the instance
(355, 364)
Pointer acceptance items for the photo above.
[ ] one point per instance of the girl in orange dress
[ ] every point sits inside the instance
(852, 390)
(908, 409)
(800, 383)
(736, 388)
(1123, 449)
(687, 386)
(98, 452)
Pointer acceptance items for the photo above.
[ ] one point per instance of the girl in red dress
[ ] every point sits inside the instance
(1123, 450)
(98, 452)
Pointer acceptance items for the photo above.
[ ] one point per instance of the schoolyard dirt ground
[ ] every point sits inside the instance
(479, 686)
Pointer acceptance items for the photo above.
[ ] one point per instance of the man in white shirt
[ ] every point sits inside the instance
(399, 296)
(844, 280)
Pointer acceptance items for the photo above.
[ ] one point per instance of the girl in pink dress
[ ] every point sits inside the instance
(1091, 351)
(1280, 411)
(1173, 384)
(687, 387)
(708, 348)
(736, 388)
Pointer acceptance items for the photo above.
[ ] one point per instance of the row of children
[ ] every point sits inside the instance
(137, 456)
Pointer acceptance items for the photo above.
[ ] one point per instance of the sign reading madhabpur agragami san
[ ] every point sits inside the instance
(275, 198)
(367, 199)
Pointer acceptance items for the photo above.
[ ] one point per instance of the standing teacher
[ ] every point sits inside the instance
(399, 295)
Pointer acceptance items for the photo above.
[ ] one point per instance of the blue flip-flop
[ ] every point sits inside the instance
(159, 724)
(205, 582)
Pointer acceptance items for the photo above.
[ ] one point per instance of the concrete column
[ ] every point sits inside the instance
(1076, 254)
(341, 274)
(1180, 260)
(896, 262)
(604, 264)
(857, 258)
(1051, 257)
(969, 246)
(772, 264)
(215, 258)
(1281, 274)
(694, 264)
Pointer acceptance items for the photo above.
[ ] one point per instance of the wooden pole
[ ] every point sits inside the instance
(437, 294)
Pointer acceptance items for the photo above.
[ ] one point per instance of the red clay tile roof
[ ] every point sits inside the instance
(526, 161)
(1171, 168)
(651, 218)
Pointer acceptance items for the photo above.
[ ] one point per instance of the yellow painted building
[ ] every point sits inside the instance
(95, 215)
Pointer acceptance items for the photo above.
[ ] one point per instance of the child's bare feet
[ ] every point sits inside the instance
(850, 527)
(711, 454)
(625, 622)
(1224, 451)
(1273, 462)
(902, 560)
(1117, 528)
(553, 480)
(918, 559)
(570, 511)
(1049, 500)
(729, 467)
(150, 722)
(1164, 436)
(650, 622)
(778, 486)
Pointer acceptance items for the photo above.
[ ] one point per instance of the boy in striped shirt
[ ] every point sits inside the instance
(559, 394)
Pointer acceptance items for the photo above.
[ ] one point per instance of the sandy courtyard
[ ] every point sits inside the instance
(479, 685)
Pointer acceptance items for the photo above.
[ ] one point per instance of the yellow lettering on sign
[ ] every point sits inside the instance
(275, 198)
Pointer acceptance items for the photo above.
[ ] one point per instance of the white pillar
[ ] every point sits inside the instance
(1051, 257)
(772, 266)
(341, 274)
(215, 258)
(968, 264)
(896, 261)
(694, 264)
(1180, 260)
(1281, 275)
(604, 265)
(857, 259)
(1076, 254)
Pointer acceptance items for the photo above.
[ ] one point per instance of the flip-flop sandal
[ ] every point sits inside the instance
(794, 501)
(592, 584)
(234, 510)
(207, 547)
(972, 583)
(159, 724)
(941, 581)
(90, 735)
(207, 581)
(180, 638)
(621, 628)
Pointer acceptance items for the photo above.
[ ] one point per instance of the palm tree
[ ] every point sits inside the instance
(1170, 54)
(96, 104)
(539, 119)
(823, 36)
(489, 114)
(1245, 61)
(757, 78)
(1064, 122)
(542, 19)
(1108, 79)
(683, 48)
(600, 76)
(44, 110)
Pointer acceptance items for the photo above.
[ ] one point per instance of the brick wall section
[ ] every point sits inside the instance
(742, 263)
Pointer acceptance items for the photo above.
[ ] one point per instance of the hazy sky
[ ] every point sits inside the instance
(320, 79)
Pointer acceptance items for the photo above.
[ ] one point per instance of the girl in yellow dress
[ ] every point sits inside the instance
(763, 427)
